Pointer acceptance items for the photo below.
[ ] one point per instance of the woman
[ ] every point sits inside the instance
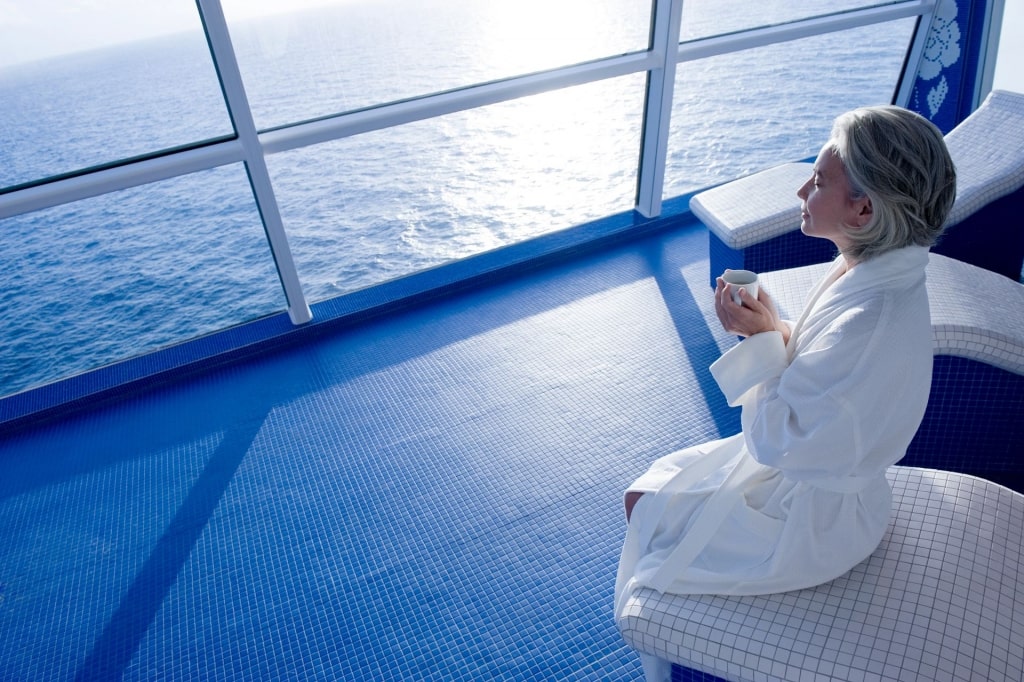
(829, 402)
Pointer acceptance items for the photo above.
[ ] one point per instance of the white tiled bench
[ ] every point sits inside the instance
(975, 313)
(940, 599)
(755, 208)
(988, 150)
(753, 223)
(975, 417)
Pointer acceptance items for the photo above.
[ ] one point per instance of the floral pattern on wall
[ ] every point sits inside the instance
(941, 50)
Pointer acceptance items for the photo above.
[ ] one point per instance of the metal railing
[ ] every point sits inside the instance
(250, 146)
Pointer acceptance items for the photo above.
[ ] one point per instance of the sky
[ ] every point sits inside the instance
(29, 30)
(35, 29)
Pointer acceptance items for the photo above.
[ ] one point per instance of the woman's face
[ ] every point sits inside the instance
(827, 204)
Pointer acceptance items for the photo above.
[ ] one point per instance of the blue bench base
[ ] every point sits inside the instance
(973, 423)
(990, 238)
(788, 250)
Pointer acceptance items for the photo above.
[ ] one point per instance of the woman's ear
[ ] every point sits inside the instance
(864, 211)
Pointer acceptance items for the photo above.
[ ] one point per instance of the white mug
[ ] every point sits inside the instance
(741, 279)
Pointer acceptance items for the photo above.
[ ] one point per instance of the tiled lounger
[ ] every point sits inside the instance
(753, 222)
(973, 423)
(976, 313)
(940, 599)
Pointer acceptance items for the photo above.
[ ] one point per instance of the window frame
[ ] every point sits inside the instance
(250, 146)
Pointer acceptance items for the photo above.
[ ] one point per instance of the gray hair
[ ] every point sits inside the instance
(899, 160)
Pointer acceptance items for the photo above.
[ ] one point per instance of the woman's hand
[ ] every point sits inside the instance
(752, 317)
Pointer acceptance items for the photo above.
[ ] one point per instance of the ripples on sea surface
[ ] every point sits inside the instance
(107, 278)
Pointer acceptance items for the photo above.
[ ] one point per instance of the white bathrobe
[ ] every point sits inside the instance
(800, 496)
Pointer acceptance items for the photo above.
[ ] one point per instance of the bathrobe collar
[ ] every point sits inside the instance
(893, 270)
(897, 267)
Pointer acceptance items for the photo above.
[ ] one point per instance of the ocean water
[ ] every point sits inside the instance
(104, 279)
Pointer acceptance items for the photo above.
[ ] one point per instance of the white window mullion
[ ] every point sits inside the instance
(993, 24)
(293, 136)
(803, 28)
(658, 107)
(97, 182)
(255, 162)
(905, 86)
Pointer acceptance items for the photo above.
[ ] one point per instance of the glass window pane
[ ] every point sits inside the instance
(374, 207)
(65, 110)
(1008, 74)
(706, 18)
(115, 276)
(345, 56)
(739, 113)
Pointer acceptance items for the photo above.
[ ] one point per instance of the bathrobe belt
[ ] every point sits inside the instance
(721, 503)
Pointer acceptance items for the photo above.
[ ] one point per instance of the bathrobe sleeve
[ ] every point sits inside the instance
(807, 416)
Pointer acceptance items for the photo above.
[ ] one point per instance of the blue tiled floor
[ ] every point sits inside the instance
(430, 496)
